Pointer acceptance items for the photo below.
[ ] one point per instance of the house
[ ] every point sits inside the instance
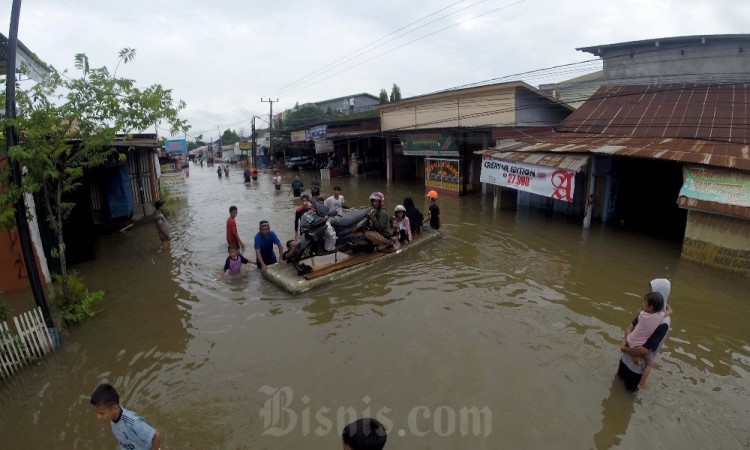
(669, 158)
(435, 135)
(348, 104)
(14, 274)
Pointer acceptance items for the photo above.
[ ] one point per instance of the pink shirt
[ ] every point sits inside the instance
(647, 323)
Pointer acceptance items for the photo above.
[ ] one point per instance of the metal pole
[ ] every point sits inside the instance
(253, 149)
(270, 125)
(10, 138)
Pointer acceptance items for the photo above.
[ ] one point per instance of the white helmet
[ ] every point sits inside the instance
(399, 208)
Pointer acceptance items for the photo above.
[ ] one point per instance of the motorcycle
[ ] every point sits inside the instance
(314, 229)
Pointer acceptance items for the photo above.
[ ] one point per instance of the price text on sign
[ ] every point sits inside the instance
(542, 180)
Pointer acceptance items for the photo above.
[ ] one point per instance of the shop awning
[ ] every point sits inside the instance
(574, 162)
(691, 151)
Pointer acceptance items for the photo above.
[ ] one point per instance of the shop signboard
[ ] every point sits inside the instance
(175, 183)
(175, 147)
(299, 136)
(443, 174)
(246, 145)
(316, 133)
(547, 181)
(429, 144)
(323, 146)
(716, 185)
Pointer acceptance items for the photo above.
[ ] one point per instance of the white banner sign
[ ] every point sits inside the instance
(175, 183)
(323, 146)
(548, 181)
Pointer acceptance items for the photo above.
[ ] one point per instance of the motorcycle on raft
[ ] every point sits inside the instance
(314, 230)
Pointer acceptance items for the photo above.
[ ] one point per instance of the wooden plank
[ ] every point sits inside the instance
(36, 333)
(6, 358)
(47, 337)
(22, 347)
(349, 262)
(13, 353)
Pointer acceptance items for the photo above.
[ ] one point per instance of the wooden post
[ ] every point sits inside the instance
(590, 184)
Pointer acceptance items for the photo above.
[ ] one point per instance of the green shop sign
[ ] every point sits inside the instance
(716, 185)
(429, 144)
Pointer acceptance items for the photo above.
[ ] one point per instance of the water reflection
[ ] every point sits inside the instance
(519, 312)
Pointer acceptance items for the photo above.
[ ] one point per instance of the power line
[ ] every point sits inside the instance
(371, 43)
(350, 58)
(492, 11)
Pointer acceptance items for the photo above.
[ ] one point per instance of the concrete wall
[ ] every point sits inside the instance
(718, 241)
(492, 109)
(362, 103)
(534, 110)
(727, 61)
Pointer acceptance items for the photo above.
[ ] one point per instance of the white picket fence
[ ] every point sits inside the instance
(28, 340)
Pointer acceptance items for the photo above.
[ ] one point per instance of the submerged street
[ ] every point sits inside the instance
(519, 314)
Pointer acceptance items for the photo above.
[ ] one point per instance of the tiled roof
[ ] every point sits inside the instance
(717, 112)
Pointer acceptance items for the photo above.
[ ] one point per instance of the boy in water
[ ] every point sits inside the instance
(233, 237)
(130, 430)
(649, 319)
(364, 434)
(234, 261)
(162, 226)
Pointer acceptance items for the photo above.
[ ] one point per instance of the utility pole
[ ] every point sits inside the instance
(253, 150)
(22, 224)
(218, 127)
(270, 129)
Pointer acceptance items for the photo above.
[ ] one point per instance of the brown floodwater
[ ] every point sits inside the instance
(503, 334)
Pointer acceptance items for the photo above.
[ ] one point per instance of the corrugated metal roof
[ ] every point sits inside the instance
(676, 40)
(570, 162)
(714, 207)
(710, 153)
(718, 112)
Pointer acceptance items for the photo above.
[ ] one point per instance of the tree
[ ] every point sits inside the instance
(66, 125)
(302, 115)
(229, 137)
(198, 142)
(383, 96)
(395, 93)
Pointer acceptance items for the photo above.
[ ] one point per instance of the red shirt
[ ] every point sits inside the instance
(232, 231)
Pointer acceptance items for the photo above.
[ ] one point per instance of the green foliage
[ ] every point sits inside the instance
(383, 97)
(395, 93)
(66, 125)
(302, 115)
(5, 312)
(229, 137)
(79, 302)
(166, 196)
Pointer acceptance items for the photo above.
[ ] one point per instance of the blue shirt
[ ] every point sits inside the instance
(265, 245)
(132, 432)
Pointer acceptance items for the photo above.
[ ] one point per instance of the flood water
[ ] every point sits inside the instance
(502, 334)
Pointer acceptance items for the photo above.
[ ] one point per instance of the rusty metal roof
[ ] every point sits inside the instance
(714, 207)
(574, 162)
(710, 153)
(718, 112)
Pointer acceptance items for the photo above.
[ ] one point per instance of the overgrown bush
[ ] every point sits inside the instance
(80, 303)
(5, 312)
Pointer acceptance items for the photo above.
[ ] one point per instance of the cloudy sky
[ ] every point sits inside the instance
(222, 56)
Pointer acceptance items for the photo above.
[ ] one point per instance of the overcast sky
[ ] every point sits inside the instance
(222, 56)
